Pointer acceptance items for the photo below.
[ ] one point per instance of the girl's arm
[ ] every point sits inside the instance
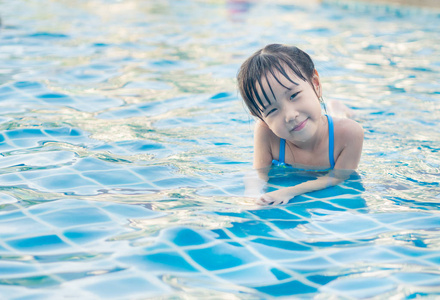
(255, 181)
(346, 163)
(284, 195)
(262, 146)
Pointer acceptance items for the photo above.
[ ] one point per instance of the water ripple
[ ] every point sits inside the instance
(124, 146)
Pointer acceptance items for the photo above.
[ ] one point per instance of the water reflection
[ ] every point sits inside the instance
(127, 112)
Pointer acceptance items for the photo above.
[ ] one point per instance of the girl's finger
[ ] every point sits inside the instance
(285, 201)
(281, 201)
(260, 201)
(276, 202)
(264, 200)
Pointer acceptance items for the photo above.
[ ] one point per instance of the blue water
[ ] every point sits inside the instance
(124, 148)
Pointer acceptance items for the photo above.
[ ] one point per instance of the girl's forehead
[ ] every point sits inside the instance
(275, 79)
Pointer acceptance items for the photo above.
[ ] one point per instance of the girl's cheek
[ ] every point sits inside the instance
(276, 126)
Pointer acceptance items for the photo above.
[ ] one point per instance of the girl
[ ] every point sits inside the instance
(281, 87)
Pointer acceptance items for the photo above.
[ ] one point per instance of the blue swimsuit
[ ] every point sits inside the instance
(331, 142)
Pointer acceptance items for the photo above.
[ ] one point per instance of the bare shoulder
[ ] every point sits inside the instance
(348, 129)
(263, 133)
(263, 145)
(261, 127)
(349, 139)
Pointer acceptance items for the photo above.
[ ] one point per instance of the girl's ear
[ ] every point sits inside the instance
(317, 84)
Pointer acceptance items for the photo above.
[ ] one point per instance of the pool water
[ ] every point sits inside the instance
(124, 147)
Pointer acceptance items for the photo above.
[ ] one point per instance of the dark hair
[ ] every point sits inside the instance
(269, 60)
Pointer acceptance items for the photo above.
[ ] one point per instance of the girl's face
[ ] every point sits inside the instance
(295, 112)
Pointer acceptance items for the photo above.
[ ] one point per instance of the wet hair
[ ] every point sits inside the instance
(271, 60)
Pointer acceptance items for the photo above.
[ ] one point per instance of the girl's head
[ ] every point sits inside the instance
(273, 60)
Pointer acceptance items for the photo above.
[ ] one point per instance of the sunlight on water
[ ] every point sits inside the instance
(124, 146)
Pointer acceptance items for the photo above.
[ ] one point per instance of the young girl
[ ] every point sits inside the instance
(281, 87)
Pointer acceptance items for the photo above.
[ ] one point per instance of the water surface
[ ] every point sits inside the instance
(124, 145)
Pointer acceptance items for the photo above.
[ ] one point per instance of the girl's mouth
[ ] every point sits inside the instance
(300, 125)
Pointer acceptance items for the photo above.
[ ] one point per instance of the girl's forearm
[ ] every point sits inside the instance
(282, 196)
(314, 185)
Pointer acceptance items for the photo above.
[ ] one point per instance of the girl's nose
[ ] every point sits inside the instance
(291, 115)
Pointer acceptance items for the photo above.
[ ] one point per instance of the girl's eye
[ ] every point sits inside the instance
(294, 95)
(271, 112)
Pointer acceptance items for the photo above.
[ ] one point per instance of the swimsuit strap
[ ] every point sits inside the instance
(331, 145)
(282, 151)
(331, 141)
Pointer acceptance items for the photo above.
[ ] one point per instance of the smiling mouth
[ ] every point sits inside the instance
(300, 125)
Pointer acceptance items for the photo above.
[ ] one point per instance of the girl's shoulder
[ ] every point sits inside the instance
(346, 128)
(349, 136)
(263, 131)
(266, 145)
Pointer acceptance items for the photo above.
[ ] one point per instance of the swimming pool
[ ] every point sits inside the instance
(124, 146)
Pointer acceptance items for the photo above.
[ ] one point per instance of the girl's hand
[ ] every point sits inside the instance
(282, 196)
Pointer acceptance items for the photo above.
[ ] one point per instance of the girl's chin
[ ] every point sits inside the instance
(300, 136)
